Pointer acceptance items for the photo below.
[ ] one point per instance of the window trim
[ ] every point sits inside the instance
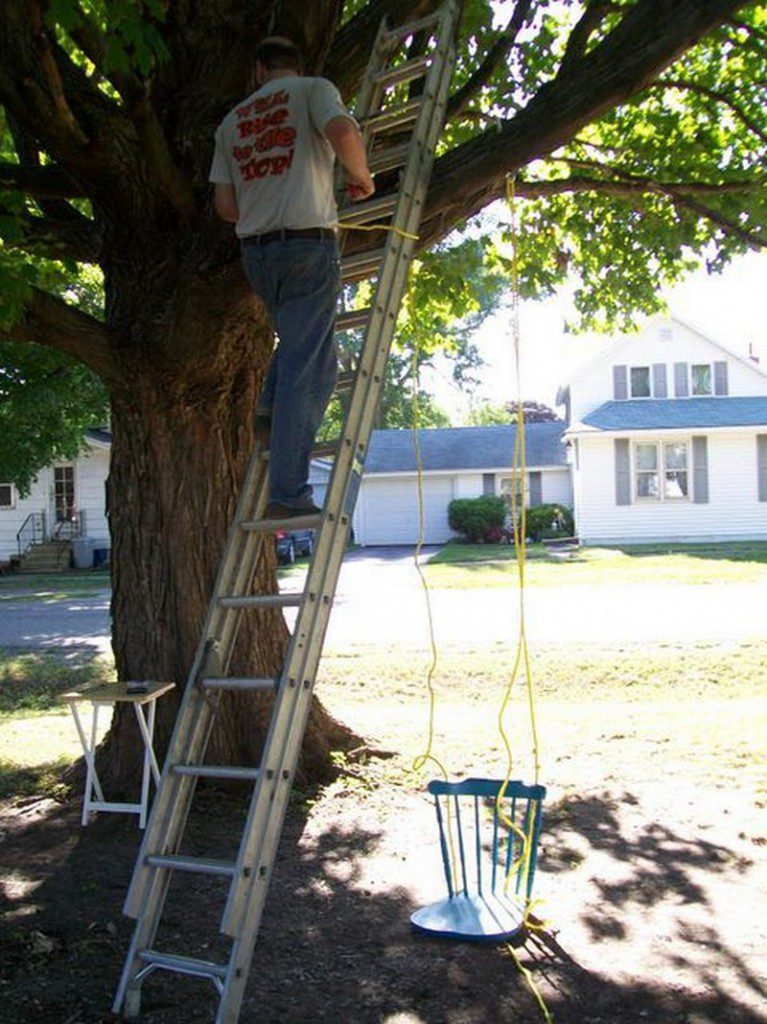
(640, 398)
(704, 394)
(660, 447)
(14, 497)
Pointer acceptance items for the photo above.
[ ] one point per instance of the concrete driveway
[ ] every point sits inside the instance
(380, 601)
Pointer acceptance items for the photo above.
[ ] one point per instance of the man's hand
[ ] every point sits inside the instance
(359, 187)
(344, 136)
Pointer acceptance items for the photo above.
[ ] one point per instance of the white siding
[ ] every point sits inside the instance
(12, 519)
(387, 509)
(594, 385)
(556, 487)
(468, 485)
(732, 513)
(90, 497)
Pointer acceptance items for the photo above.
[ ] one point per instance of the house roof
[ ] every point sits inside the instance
(98, 437)
(677, 414)
(473, 448)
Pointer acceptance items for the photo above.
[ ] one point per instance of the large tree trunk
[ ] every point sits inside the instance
(181, 442)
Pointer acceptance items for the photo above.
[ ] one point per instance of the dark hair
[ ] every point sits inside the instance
(277, 52)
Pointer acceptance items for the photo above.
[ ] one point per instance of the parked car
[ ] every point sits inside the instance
(294, 545)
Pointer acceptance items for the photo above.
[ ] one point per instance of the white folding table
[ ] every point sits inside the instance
(145, 705)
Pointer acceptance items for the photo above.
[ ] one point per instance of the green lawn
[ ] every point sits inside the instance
(494, 565)
(53, 586)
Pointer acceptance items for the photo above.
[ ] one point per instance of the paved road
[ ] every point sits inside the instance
(380, 601)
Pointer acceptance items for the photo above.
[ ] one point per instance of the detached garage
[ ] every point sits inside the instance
(458, 462)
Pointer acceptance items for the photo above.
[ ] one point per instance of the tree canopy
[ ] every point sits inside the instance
(635, 131)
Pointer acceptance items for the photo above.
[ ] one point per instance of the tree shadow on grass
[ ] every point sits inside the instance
(334, 948)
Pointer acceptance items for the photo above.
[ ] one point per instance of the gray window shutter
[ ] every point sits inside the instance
(761, 456)
(622, 472)
(681, 380)
(620, 383)
(488, 483)
(536, 489)
(659, 387)
(700, 470)
(720, 378)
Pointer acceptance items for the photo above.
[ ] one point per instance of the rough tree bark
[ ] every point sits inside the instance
(184, 347)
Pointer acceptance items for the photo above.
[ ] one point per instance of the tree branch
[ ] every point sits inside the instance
(71, 237)
(754, 240)
(650, 36)
(494, 57)
(627, 188)
(39, 182)
(139, 109)
(592, 17)
(712, 94)
(50, 321)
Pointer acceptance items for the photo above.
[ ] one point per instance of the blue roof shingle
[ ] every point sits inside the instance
(679, 413)
(473, 448)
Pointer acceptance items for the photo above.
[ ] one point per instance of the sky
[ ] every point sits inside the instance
(730, 307)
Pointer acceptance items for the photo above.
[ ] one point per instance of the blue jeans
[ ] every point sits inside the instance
(299, 281)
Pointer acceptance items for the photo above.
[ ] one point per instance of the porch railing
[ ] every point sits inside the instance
(69, 528)
(32, 532)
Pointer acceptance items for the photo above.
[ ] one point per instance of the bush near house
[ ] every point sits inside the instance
(486, 520)
(544, 521)
(477, 519)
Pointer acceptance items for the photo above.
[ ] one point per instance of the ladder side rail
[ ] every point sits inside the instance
(195, 716)
(303, 658)
(275, 802)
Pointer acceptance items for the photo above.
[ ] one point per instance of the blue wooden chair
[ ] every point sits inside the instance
(489, 868)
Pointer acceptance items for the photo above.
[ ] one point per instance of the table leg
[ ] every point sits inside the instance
(150, 762)
(91, 778)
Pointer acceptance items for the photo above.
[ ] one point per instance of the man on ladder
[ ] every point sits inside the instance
(273, 176)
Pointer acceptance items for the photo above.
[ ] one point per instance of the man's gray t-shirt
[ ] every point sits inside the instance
(273, 150)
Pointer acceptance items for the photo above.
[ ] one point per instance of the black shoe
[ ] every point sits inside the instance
(274, 510)
(262, 429)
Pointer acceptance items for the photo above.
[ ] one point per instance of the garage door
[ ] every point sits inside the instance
(389, 510)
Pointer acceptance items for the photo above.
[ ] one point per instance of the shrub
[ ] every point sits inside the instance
(544, 521)
(477, 519)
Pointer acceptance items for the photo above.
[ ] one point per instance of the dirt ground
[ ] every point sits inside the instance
(651, 896)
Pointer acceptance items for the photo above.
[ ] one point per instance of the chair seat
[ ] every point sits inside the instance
(485, 918)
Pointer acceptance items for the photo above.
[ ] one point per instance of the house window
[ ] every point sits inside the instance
(7, 496)
(661, 471)
(505, 490)
(640, 382)
(64, 493)
(700, 379)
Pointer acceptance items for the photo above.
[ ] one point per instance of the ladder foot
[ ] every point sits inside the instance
(132, 1001)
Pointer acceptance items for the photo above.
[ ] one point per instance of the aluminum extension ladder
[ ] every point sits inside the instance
(416, 126)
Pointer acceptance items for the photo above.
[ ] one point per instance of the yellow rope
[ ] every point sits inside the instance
(375, 227)
(519, 524)
(427, 755)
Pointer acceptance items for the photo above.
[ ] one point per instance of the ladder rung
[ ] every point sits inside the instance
(404, 72)
(389, 158)
(214, 771)
(393, 118)
(345, 381)
(403, 31)
(197, 865)
(326, 450)
(363, 213)
(308, 522)
(240, 683)
(183, 964)
(361, 265)
(262, 601)
(352, 318)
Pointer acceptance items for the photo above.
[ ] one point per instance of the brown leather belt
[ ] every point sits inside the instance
(284, 233)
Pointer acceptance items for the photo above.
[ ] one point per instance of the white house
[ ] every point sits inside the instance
(67, 499)
(667, 432)
(457, 462)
